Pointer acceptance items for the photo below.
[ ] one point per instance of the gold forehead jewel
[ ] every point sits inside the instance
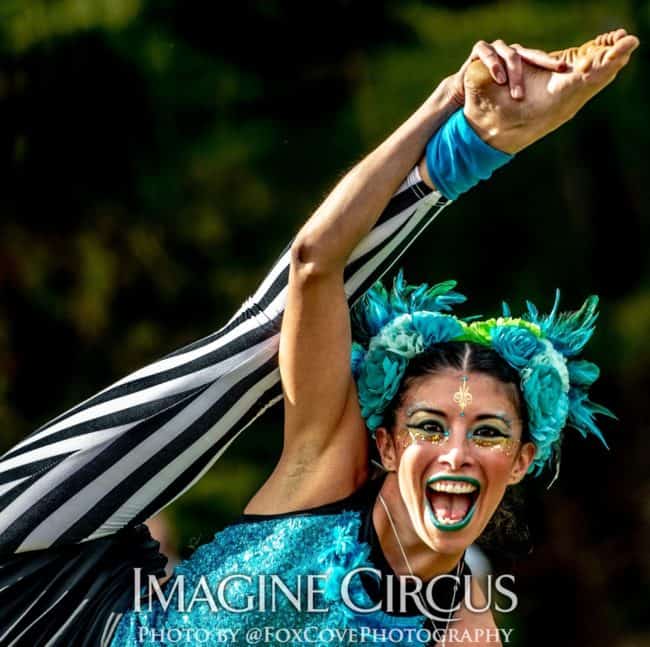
(463, 397)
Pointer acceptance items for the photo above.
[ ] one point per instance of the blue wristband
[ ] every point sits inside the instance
(457, 158)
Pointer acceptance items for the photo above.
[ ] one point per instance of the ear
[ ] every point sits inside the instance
(386, 448)
(522, 463)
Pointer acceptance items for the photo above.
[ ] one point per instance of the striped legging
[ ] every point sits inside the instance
(127, 452)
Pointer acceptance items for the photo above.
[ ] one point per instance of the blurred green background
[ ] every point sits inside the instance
(158, 155)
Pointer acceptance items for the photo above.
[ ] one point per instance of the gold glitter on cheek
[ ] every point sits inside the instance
(507, 446)
(405, 438)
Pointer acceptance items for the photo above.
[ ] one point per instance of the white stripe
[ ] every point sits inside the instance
(355, 281)
(11, 485)
(106, 640)
(107, 624)
(244, 327)
(53, 639)
(280, 266)
(76, 443)
(380, 233)
(83, 500)
(267, 406)
(44, 485)
(412, 178)
(150, 490)
(168, 363)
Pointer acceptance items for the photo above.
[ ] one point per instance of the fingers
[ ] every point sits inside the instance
(487, 55)
(504, 62)
(512, 60)
(540, 59)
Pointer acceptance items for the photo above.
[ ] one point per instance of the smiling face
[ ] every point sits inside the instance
(456, 445)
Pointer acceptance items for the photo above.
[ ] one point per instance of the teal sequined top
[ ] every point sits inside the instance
(328, 541)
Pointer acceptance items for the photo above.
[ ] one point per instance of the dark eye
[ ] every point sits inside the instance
(488, 432)
(431, 427)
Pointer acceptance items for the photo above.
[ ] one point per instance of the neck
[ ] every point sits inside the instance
(423, 559)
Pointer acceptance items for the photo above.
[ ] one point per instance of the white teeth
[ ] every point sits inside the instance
(446, 521)
(453, 487)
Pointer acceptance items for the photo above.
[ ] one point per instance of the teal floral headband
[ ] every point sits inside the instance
(392, 328)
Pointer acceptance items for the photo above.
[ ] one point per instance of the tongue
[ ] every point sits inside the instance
(450, 506)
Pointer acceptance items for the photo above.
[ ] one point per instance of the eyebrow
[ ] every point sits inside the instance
(483, 416)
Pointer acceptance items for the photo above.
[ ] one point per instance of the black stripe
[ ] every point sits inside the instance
(13, 536)
(114, 419)
(355, 266)
(280, 283)
(403, 201)
(30, 468)
(181, 483)
(153, 465)
(9, 497)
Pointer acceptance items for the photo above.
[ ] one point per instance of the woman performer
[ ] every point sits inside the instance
(455, 407)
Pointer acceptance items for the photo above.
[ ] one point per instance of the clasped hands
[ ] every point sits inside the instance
(513, 95)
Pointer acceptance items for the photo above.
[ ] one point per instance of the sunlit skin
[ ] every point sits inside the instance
(429, 439)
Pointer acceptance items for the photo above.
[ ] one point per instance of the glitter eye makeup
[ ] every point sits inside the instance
(424, 426)
(492, 438)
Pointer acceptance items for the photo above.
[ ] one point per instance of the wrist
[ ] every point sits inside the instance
(509, 139)
(444, 100)
(457, 158)
(489, 128)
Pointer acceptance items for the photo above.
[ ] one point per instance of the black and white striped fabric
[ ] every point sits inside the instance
(127, 452)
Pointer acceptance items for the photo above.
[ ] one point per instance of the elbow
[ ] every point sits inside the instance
(308, 260)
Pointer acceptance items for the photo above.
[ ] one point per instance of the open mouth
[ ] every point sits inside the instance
(451, 501)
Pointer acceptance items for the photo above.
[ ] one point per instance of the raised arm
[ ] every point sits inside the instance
(324, 432)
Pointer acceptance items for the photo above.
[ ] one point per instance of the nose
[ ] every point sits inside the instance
(456, 453)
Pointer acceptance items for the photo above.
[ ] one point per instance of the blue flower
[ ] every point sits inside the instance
(545, 384)
(436, 328)
(378, 382)
(401, 338)
(516, 345)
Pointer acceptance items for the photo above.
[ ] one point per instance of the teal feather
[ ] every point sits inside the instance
(568, 331)
(533, 314)
(378, 307)
(582, 373)
(582, 412)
